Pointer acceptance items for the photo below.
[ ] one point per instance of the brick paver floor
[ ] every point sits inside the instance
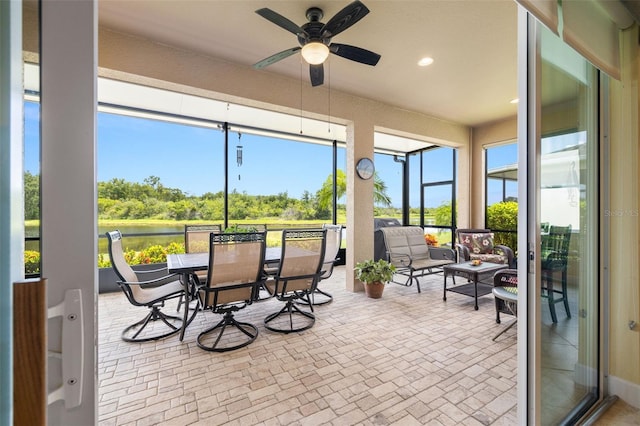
(404, 359)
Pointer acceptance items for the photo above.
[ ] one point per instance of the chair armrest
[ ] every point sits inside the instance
(506, 278)
(153, 274)
(327, 269)
(155, 282)
(149, 271)
(463, 253)
(506, 251)
(442, 253)
(402, 260)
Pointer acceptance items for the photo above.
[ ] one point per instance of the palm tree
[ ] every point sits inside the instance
(324, 194)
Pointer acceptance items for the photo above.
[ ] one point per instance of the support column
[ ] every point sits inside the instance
(359, 201)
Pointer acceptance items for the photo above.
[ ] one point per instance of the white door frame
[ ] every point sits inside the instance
(68, 100)
(11, 190)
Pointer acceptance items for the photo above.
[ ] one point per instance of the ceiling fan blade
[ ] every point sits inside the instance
(342, 20)
(280, 21)
(316, 72)
(276, 57)
(355, 53)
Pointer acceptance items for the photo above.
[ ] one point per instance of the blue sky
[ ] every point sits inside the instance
(191, 158)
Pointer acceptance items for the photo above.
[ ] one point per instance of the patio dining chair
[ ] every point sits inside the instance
(332, 246)
(268, 268)
(298, 274)
(555, 255)
(233, 278)
(196, 237)
(196, 240)
(246, 227)
(151, 293)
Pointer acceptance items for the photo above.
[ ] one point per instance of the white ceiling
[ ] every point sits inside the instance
(473, 43)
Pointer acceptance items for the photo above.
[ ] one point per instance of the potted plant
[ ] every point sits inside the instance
(374, 274)
(431, 240)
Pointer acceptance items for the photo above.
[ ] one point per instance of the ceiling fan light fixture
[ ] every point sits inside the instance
(425, 62)
(315, 52)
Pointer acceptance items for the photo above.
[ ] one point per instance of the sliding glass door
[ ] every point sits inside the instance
(563, 232)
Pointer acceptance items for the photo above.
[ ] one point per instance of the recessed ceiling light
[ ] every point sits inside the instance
(425, 61)
(514, 101)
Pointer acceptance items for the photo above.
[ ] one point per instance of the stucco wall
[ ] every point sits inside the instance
(623, 221)
(499, 132)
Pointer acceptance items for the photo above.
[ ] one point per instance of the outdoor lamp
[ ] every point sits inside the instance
(315, 52)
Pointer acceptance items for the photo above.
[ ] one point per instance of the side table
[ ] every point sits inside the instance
(474, 274)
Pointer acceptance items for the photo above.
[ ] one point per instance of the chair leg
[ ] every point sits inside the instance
(500, 303)
(180, 300)
(155, 314)
(565, 294)
(325, 294)
(548, 278)
(417, 282)
(550, 298)
(311, 298)
(290, 309)
(505, 329)
(262, 288)
(228, 321)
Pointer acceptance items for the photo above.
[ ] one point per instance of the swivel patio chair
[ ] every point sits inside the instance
(233, 278)
(152, 294)
(196, 237)
(505, 291)
(196, 240)
(478, 244)
(332, 246)
(246, 227)
(555, 254)
(298, 273)
(268, 268)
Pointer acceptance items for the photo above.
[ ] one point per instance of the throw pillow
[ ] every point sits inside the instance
(478, 243)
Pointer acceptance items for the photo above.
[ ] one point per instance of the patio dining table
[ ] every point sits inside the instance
(188, 263)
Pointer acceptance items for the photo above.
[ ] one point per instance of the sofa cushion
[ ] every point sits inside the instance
(490, 257)
(478, 243)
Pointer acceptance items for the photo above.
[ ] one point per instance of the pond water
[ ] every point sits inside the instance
(154, 234)
(133, 242)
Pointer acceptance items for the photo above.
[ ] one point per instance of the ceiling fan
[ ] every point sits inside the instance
(315, 39)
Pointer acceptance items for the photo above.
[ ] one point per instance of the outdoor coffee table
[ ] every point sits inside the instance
(474, 274)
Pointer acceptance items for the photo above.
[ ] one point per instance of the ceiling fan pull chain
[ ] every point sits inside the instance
(301, 95)
(329, 97)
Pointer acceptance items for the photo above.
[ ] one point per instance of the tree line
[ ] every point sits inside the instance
(121, 199)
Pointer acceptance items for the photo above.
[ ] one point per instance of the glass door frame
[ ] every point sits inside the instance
(529, 272)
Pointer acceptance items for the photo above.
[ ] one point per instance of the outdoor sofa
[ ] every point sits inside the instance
(412, 256)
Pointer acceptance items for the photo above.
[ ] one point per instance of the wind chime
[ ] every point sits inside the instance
(239, 152)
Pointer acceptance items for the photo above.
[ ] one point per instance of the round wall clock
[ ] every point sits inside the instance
(365, 168)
